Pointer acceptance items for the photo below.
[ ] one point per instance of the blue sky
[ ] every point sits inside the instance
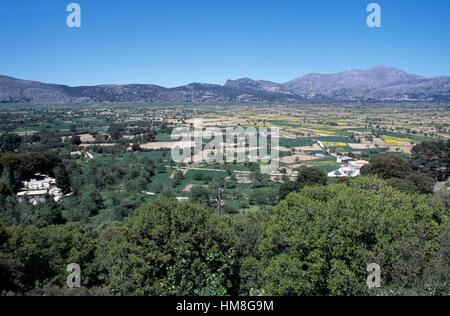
(175, 42)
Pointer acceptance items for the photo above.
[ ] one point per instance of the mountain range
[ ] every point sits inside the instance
(378, 84)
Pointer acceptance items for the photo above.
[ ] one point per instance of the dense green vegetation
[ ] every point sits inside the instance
(433, 158)
(400, 174)
(306, 176)
(316, 242)
(319, 241)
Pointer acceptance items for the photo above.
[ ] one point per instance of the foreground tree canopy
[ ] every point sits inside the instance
(318, 241)
(168, 248)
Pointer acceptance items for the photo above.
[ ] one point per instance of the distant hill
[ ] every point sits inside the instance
(378, 83)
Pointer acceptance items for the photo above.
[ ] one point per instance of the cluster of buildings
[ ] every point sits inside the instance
(37, 189)
(350, 167)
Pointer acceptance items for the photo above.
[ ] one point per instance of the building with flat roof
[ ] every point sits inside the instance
(349, 168)
(36, 190)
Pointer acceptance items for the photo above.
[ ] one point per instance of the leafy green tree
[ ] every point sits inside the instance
(91, 201)
(387, 167)
(267, 196)
(422, 183)
(320, 241)
(198, 176)
(201, 195)
(150, 136)
(136, 147)
(35, 138)
(257, 198)
(116, 131)
(169, 194)
(9, 142)
(85, 203)
(26, 165)
(10, 211)
(75, 140)
(39, 256)
(123, 204)
(403, 185)
(3, 188)
(251, 276)
(286, 188)
(62, 179)
(44, 214)
(443, 193)
(432, 158)
(178, 176)
(8, 275)
(258, 179)
(13, 180)
(169, 248)
(248, 228)
(310, 176)
(399, 174)
(231, 183)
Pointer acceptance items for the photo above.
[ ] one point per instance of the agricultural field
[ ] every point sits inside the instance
(305, 131)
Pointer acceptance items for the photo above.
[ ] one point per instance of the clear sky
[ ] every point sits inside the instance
(175, 42)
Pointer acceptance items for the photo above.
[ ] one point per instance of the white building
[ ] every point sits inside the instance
(35, 190)
(349, 168)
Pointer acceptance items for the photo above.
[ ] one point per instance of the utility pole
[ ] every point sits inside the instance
(219, 199)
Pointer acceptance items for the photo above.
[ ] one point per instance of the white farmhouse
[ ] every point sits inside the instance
(35, 190)
(349, 168)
